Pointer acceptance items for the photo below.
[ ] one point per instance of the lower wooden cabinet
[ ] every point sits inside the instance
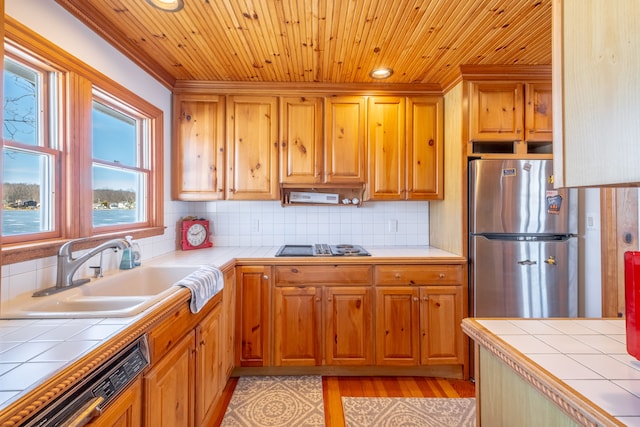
(169, 387)
(125, 410)
(303, 313)
(419, 310)
(182, 387)
(253, 290)
(418, 325)
(349, 325)
(298, 326)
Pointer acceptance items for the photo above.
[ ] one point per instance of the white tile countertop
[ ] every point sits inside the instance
(32, 350)
(588, 355)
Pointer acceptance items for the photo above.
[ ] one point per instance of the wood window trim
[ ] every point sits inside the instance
(619, 207)
(81, 80)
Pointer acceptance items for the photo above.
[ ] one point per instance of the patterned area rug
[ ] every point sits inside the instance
(276, 401)
(406, 412)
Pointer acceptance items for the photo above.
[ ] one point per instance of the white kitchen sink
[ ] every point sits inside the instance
(122, 294)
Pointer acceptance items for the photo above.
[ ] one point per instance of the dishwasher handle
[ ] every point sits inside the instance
(84, 415)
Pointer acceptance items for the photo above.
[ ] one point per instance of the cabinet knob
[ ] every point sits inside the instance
(329, 299)
(397, 276)
(265, 277)
(441, 275)
(425, 298)
(317, 299)
(416, 299)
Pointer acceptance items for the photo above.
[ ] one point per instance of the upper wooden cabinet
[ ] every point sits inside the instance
(252, 148)
(405, 148)
(386, 138)
(345, 140)
(510, 117)
(596, 65)
(496, 111)
(425, 151)
(198, 147)
(301, 157)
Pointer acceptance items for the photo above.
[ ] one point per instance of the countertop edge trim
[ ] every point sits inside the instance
(568, 400)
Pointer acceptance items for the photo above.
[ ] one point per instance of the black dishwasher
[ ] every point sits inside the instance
(87, 399)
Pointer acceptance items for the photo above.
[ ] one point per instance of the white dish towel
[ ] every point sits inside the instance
(204, 283)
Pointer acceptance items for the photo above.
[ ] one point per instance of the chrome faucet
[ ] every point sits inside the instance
(67, 265)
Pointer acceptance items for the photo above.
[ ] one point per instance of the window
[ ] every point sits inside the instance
(82, 156)
(30, 153)
(120, 164)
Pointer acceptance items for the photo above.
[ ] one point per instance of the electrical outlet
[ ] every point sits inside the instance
(593, 222)
(255, 225)
(392, 226)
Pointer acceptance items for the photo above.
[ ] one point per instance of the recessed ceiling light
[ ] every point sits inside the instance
(167, 5)
(381, 73)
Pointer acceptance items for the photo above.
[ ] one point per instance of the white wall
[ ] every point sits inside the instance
(590, 253)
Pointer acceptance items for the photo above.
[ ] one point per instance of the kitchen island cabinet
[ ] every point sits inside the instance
(554, 372)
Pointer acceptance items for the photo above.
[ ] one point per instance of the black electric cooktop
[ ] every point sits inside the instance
(321, 249)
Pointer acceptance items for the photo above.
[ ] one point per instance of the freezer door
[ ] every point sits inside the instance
(529, 279)
(517, 196)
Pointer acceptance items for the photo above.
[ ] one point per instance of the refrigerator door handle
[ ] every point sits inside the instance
(527, 262)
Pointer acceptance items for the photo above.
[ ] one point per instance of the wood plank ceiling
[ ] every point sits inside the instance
(321, 41)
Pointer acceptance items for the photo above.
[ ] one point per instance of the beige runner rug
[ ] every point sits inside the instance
(270, 401)
(406, 412)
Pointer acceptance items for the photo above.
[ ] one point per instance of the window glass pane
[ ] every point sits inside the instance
(114, 136)
(27, 195)
(21, 110)
(117, 196)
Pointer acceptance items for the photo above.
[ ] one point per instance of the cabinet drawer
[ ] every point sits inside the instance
(418, 275)
(323, 274)
(169, 331)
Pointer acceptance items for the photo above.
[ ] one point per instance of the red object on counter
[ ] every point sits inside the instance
(632, 301)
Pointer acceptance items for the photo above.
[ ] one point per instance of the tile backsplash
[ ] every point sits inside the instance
(252, 223)
(236, 223)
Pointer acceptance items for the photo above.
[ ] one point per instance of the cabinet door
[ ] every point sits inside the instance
(425, 150)
(538, 112)
(596, 122)
(386, 144)
(209, 380)
(301, 140)
(169, 388)
(440, 318)
(297, 332)
(228, 320)
(345, 142)
(349, 330)
(496, 111)
(397, 326)
(252, 315)
(198, 148)
(125, 411)
(252, 132)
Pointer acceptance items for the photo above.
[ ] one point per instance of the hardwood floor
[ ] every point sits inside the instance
(335, 387)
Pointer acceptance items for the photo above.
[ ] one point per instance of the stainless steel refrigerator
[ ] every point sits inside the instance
(522, 241)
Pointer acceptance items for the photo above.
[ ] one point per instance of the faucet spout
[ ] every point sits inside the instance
(68, 265)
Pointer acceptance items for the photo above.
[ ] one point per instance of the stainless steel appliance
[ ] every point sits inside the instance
(86, 400)
(321, 249)
(522, 241)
